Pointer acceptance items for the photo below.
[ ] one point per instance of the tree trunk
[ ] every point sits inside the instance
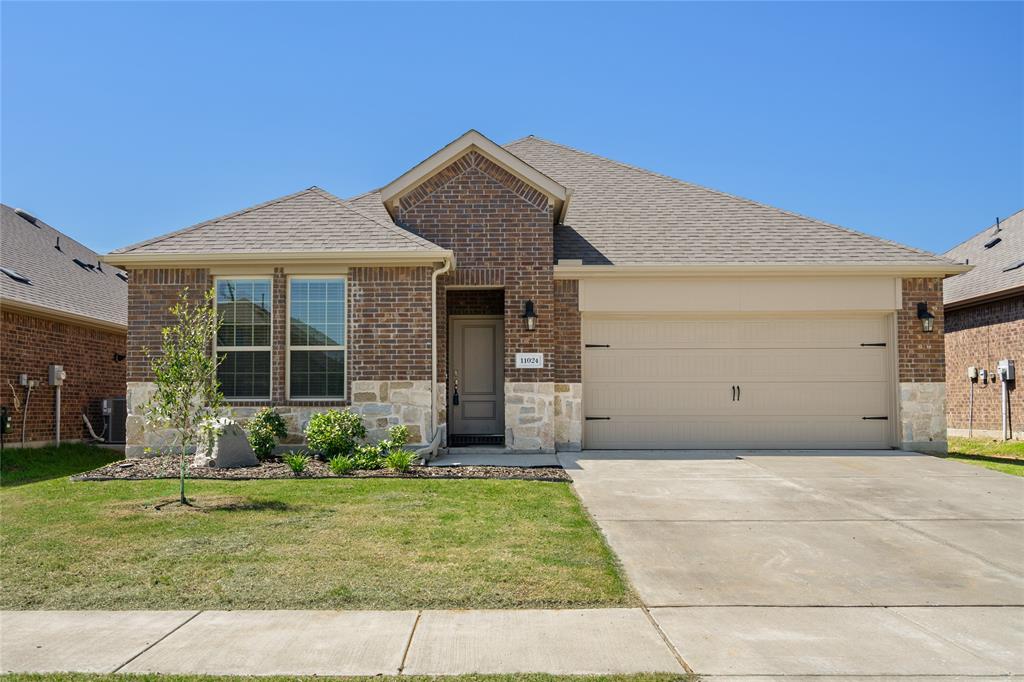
(183, 500)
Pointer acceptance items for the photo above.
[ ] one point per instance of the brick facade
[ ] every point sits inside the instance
(389, 324)
(921, 354)
(151, 293)
(568, 341)
(30, 345)
(501, 231)
(979, 336)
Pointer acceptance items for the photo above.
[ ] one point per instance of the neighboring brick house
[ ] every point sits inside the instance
(59, 306)
(535, 297)
(985, 324)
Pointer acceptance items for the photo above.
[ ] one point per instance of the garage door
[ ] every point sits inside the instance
(737, 382)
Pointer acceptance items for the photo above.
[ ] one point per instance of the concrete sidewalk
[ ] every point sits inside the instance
(334, 642)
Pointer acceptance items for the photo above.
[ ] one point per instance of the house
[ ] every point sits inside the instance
(985, 324)
(59, 306)
(535, 297)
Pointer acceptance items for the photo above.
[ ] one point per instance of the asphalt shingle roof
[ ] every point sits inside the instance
(57, 282)
(623, 215)
(307, 221)
(991, 273)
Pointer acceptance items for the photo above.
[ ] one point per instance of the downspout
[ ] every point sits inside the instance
(427, 453)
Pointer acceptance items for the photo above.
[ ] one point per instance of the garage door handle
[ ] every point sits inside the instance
(597, 345)
(885, 419)
(598, 419)
(879, 345)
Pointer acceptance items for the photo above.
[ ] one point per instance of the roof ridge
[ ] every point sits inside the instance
(739, 198)
(977, 234)
(190, 228)
(415, 239)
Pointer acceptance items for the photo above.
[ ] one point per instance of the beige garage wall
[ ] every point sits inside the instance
(741, 294)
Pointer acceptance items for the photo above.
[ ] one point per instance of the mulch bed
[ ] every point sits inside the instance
(168, 467)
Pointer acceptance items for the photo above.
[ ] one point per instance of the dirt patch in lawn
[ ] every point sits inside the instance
(168, 467)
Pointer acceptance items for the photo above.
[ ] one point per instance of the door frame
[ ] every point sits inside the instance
(449, 384)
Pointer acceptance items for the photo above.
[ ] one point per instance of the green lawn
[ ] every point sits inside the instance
(328, 543)
(1004, 456)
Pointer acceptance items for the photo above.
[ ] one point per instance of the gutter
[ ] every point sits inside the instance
(419, 256)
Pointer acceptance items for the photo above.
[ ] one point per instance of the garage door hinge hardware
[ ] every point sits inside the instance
(879, 345)
(885, 419)
(599, 419)
(598, 345)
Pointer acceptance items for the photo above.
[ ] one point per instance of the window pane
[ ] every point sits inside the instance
(317, 374)
(317, 314)
(245, 374)
(261, 335)
(244, 306)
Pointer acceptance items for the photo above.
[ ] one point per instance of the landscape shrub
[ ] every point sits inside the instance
(297, 462)
(265, 428)
(400, 460)
(341, 465)
(334, 433)
(368, 457)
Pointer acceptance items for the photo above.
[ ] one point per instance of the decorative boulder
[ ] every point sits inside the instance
(228, 448)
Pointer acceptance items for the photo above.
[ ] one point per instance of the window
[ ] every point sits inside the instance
(243, 342)
(316, 337)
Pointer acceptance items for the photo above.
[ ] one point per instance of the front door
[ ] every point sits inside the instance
(476, 377)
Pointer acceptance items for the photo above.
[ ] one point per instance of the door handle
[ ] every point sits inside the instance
(739, 393)
(734, 393)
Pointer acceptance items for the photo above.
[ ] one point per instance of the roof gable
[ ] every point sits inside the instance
(993, 254)
(472, 141)
(310, 222)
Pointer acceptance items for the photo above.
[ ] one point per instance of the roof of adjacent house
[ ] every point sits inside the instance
(309, 221)
(623, 215)
(56, 282)
(998, 260)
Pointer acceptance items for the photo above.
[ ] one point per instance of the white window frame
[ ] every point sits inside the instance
(288, 348)
(217, 349)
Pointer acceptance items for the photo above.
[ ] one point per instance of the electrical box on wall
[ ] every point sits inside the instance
(1005, 369)
(57, 375)
(972, 373)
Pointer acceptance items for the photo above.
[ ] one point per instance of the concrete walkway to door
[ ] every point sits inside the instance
(821, 563)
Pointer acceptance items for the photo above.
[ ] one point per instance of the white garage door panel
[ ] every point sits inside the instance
(805, 382)
(868, 398)
(736, 365)
(725, 432)
(806, 332)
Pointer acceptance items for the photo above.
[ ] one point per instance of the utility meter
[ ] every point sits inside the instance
(1005, 369)
(972, 373)
(57, 375)
(983, 375)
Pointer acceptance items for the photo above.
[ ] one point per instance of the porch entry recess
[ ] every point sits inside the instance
(476, 380)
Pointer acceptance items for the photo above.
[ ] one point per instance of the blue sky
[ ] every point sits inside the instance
(123, 121)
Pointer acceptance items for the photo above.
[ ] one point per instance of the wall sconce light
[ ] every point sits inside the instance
(119, 357)
(530, 315)
(927, 319)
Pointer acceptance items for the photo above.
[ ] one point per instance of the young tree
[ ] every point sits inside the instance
(188, 396)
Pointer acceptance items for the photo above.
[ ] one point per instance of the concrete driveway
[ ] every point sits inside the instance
(818, 563)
